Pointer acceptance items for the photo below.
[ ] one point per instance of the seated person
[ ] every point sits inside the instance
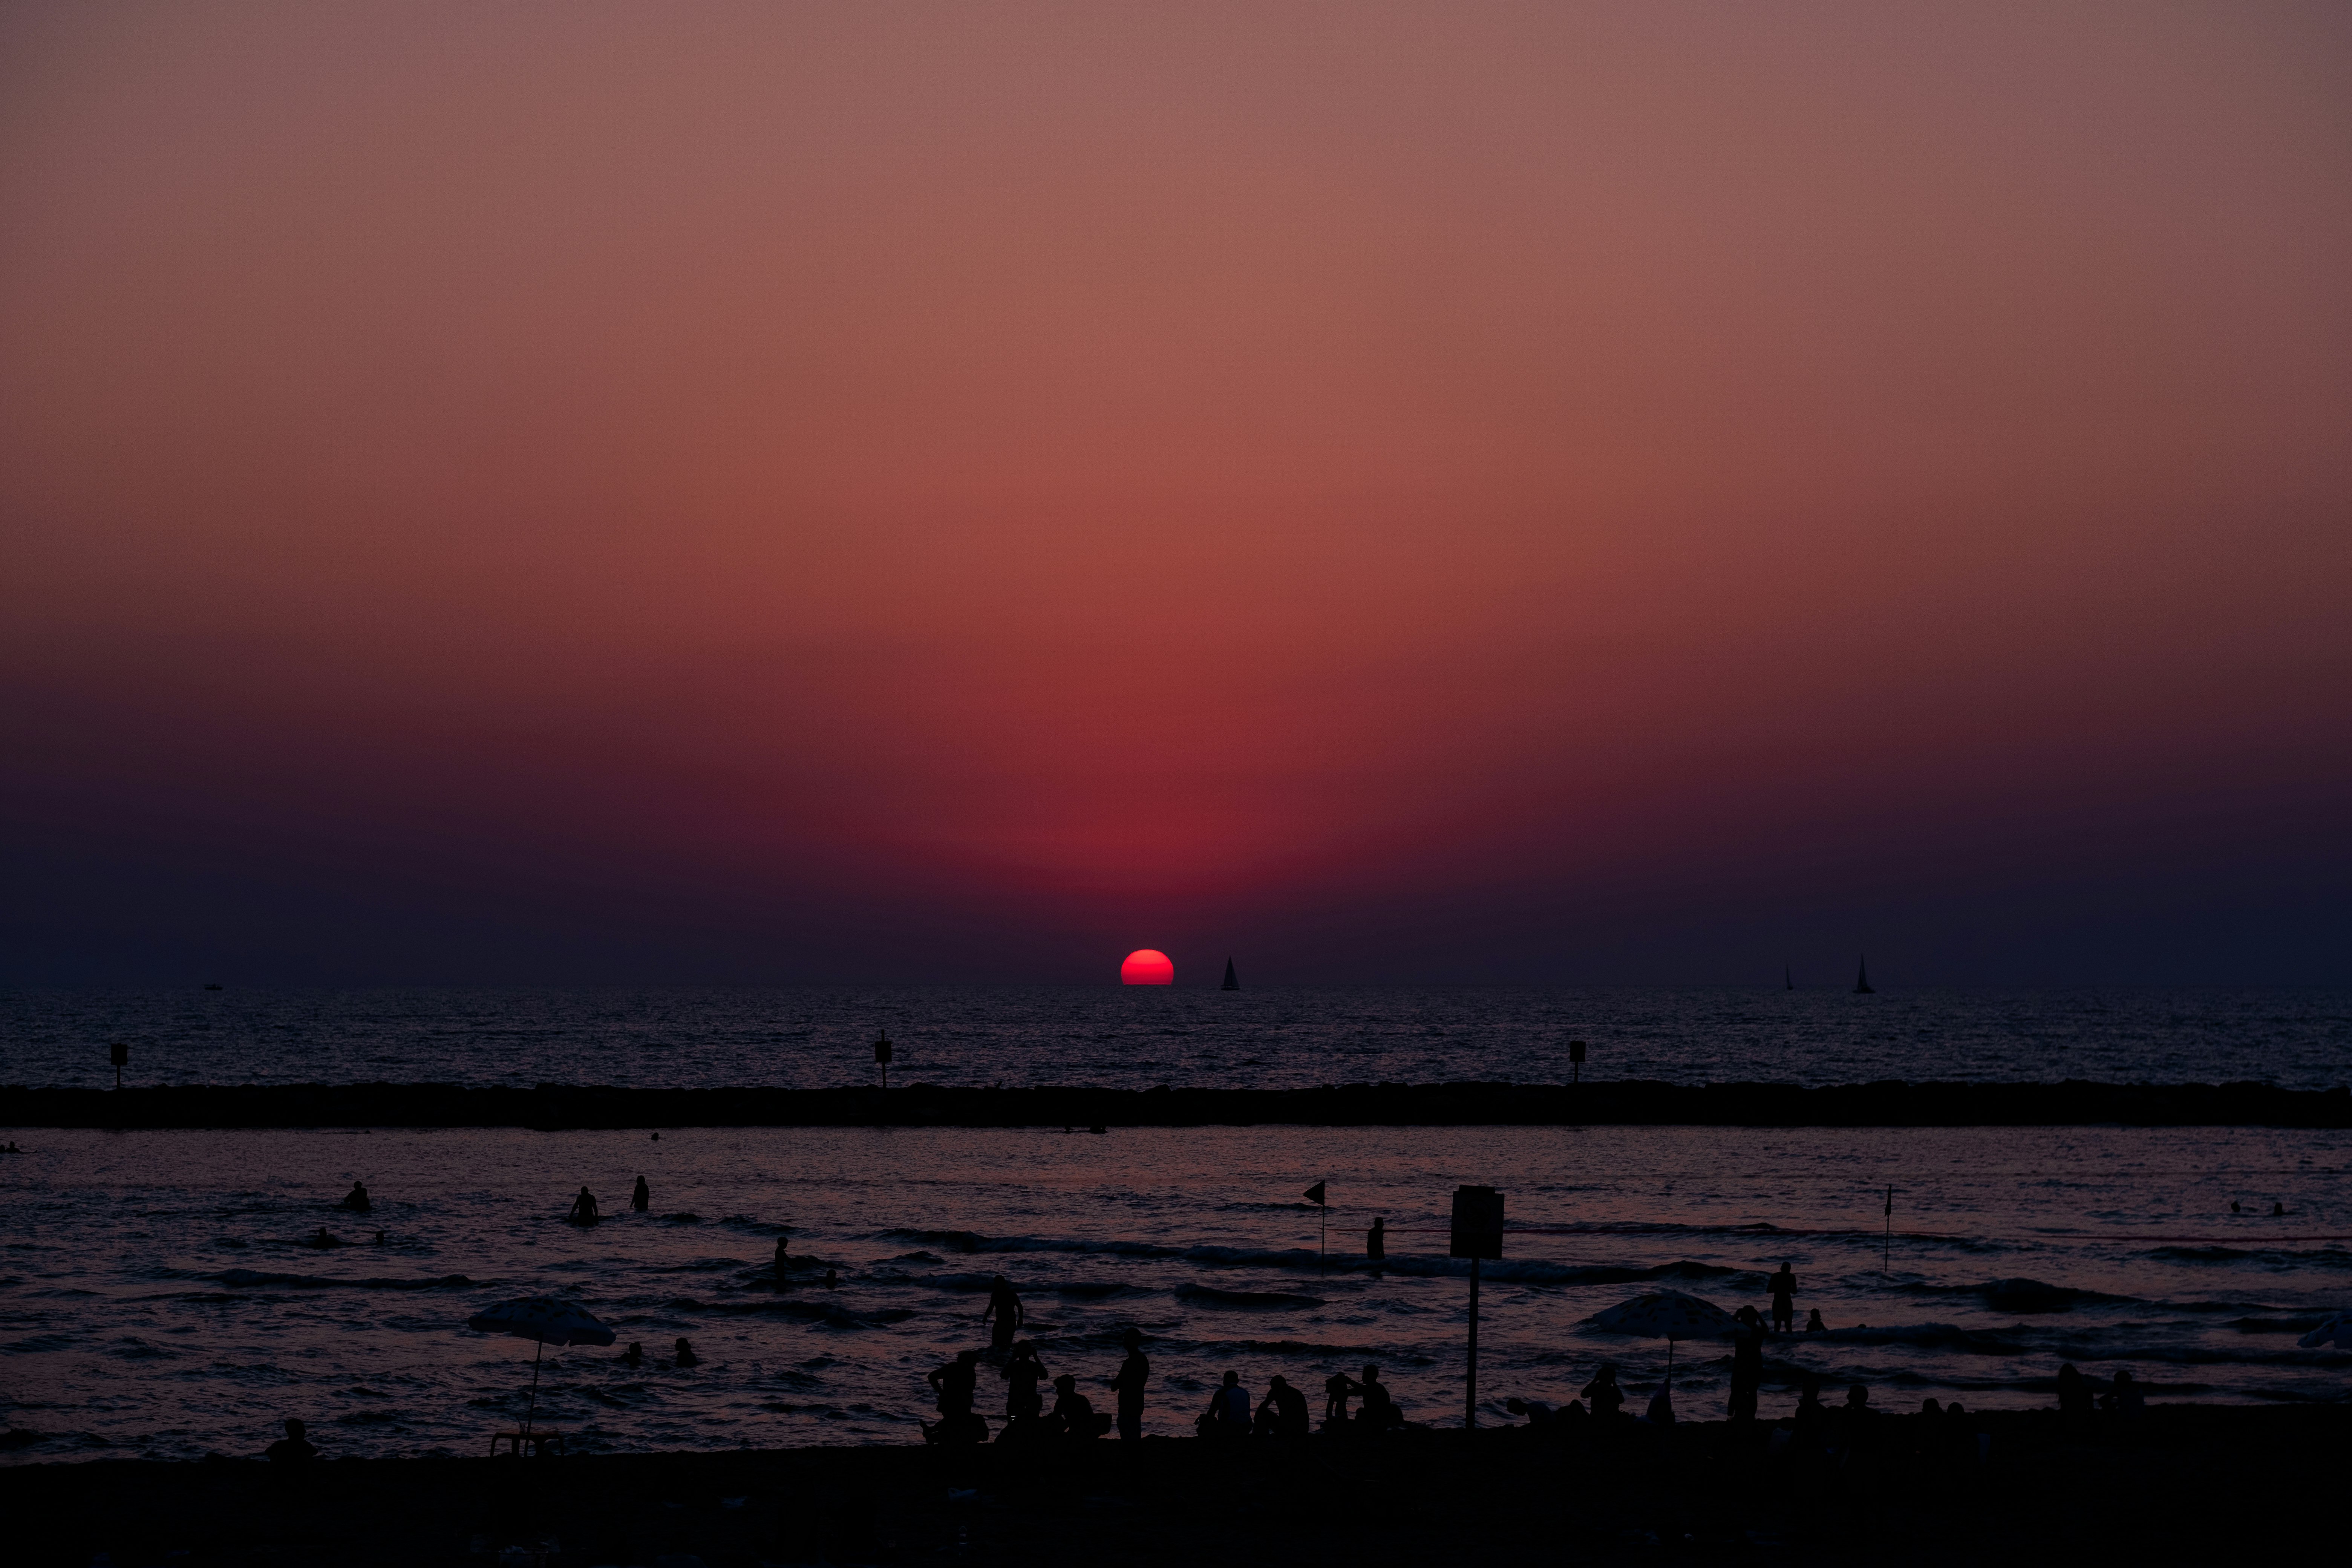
(294, 1448)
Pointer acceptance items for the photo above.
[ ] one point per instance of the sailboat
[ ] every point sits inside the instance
(1862, 980)
(1787, 982)
(1232, 982)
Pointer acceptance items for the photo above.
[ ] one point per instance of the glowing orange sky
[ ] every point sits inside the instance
(1300, 479)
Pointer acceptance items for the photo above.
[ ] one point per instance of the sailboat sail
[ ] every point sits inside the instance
(1861, 980)
(1232, 982)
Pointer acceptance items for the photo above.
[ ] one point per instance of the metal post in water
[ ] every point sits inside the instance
(1470, 1387)
(1478, 1234)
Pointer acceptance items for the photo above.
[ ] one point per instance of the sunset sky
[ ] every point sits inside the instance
(1393, 493)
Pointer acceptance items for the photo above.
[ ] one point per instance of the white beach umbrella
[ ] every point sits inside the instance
(1667, 1315)
(545, 1320)
(2335, 1332)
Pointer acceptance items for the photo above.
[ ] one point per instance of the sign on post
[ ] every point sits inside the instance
(121, 1055)
(1575, 1060)
(882, 1057)
(1478, 1234)
(1478, 1223)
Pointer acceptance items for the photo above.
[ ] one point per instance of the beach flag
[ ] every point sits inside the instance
(1315, 1194)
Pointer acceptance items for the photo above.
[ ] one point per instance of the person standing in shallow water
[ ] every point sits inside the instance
(1004, 1307)
(782, 1261)
(356, 1200)
(1023, 1371)
(1747, 1364)
(642, 1198)
(583, 1208)
(1784, 1286)
(1376, 1240)
(1133, 1374)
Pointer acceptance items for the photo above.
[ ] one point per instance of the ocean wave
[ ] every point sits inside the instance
(248, 1278)
(2027, 1296)
(2274, 1258)
(1210, 1294)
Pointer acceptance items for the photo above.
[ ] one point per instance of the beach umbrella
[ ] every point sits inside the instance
(2335, 1333)
(545, 1320)
(1667, 1315)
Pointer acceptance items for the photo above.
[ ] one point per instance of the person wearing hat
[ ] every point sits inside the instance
(1133, 1374)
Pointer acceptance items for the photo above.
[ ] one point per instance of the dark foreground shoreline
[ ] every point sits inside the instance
(2183, 1482)
(555, 1107)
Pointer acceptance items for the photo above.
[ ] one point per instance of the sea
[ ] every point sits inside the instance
(163, 1294)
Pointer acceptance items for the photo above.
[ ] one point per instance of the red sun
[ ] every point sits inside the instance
(1147, 966)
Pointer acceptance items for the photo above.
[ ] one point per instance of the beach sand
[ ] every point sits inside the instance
(2184, 1482)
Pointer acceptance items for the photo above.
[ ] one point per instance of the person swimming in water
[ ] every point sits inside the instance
(685, 1356)
(356, 1200)
(642, 1198)
(635, 1355)
(324, 1239)
(583, 1208)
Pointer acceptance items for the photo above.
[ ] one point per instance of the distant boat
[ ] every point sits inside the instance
(1862, 980)
(1232, 982)
(1787, 981)
(212, 985)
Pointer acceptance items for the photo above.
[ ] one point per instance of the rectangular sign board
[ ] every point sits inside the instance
(1478, 1223)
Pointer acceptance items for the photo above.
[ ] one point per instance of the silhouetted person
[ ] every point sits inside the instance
(1023, 1371)
(1662, 1405)
(294, 1448)
(2234, 1208)
(955, 1383)
(1380, 1410)
(1607, 1398)
(1812, 1418)
(1336, 1390)
(2073, 1396)
(2278, 1211)
(2125, 1399)
(356, 1200)
(1784, 1286)
(1747, 1364)
(1228, 1415)
(832, 1279)
(1004, 1307)
(1813, 1324)
(1283, 1412)
(1376, 1240)
(782, 1262)
(379, 1238)
(642, 1198)
(1133, 1374)
(324, 1239)
(1073, 1413)
(635, 1355)
(685, 1356)
(583, 1208)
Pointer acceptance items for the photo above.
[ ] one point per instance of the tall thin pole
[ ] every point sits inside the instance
(534, 1387)
(1886, 1248)
(1323, 1239)
(1470, 1391)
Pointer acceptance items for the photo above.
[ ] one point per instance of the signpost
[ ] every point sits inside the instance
(882, 1057)
(1478, 1234)
(1575, 1060)
(122, 1055)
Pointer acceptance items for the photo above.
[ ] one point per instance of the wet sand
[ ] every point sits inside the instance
(1620, 1102)
(2182, 1482)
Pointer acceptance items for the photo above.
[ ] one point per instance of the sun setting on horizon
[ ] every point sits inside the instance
(1147, 966)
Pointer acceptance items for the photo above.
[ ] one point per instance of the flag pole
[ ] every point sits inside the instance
(1886, 1248)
